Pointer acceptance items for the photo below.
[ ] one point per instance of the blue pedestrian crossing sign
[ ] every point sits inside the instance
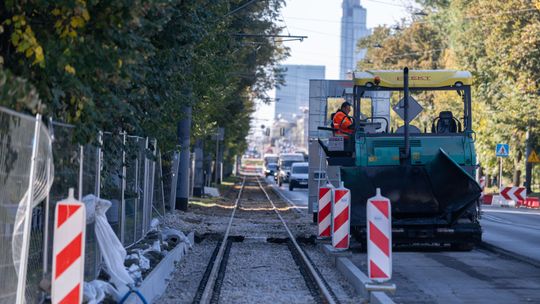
(502, 150)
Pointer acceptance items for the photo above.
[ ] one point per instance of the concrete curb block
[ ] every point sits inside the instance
(353, 274)
(156, 282)
(358, 280)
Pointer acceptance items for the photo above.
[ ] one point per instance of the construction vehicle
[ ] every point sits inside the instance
(427, 175)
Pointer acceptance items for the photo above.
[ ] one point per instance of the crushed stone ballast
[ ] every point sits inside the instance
(269, 262)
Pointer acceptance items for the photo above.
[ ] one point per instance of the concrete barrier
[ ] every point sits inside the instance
(155, 284)
(354, 275)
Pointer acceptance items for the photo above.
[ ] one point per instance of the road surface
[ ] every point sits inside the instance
(297, 197)
(514, 230)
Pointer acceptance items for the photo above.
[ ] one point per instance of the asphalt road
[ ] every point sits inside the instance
(297, 197)
(514, 230)
(440, 275)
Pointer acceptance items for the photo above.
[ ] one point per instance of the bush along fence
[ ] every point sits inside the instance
(39, 162)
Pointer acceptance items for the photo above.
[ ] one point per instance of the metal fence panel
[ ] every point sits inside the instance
(112, 178)
(126, 170)
(90, 184)
(16, 135)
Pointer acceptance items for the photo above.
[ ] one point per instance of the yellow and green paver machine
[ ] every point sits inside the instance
(413, 139)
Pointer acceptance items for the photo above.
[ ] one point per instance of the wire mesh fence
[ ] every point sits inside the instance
(126, 170)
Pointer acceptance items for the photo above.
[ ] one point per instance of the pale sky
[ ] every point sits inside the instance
(320, 21)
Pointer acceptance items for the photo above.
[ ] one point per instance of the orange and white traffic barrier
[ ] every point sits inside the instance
(324, 216)
(341, 214)
(68, 251)
(379, 227)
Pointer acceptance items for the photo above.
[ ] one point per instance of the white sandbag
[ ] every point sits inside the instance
(110, 246)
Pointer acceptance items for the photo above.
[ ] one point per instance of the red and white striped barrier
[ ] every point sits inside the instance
(325, 211)
(379, 227)
(514, 193)
(531, 202)
(68, 251)
(341, 213)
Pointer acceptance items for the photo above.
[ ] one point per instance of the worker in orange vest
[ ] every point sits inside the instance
(341, 120)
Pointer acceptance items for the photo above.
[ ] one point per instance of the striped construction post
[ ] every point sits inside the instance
(324, 217)
(341, 213)
(379, 227)
(68, 251)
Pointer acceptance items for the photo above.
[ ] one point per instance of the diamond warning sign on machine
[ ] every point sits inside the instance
(502, 150)
(533, 158)
(414, 108)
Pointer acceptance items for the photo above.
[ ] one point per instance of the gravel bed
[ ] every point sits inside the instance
(344, 292)
(259, 272)
(189, 272)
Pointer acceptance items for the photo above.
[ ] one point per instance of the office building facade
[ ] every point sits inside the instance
(353, 28)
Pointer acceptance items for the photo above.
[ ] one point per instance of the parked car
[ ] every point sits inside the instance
(270, 169)
(299, 176)
(284, 166)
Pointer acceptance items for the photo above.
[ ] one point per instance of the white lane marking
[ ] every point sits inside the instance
(498, 220)
(510, 211)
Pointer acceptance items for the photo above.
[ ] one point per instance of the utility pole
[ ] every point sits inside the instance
(220, 133)
(182, 186)
(198, 184)
(528, 165)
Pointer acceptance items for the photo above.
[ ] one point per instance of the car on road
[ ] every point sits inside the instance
(299, 176)
(284, 166)
(270, 169)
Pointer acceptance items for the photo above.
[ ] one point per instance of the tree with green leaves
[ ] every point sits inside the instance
(134, 65)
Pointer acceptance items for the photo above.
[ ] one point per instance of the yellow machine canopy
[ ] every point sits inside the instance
(417, 78)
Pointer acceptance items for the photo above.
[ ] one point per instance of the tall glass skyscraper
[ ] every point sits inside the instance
(353, 28)
(294, 94)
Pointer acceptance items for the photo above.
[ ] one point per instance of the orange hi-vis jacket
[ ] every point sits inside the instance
(342, 122)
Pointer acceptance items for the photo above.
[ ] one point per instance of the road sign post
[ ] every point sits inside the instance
(502, 150)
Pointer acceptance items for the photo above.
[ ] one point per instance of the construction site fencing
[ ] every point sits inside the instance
(39, 162)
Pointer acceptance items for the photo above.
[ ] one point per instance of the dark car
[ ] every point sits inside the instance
(270, 169)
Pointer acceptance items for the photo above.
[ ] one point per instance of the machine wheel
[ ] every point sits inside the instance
(462, 246)
(291, 187)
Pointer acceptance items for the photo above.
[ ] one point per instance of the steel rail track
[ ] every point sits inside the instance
(206, 296)
(314, 274)
(212, 281)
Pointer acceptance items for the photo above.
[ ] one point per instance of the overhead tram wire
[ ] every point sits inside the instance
(285, 37)
(421, 21)
(240, 8)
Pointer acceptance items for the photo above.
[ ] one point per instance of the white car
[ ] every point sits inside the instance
(299, 176)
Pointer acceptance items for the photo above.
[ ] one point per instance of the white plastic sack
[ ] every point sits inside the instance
(90, 204)
(165, 233)
(110, 246)
(154, 224)
(94, 292)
